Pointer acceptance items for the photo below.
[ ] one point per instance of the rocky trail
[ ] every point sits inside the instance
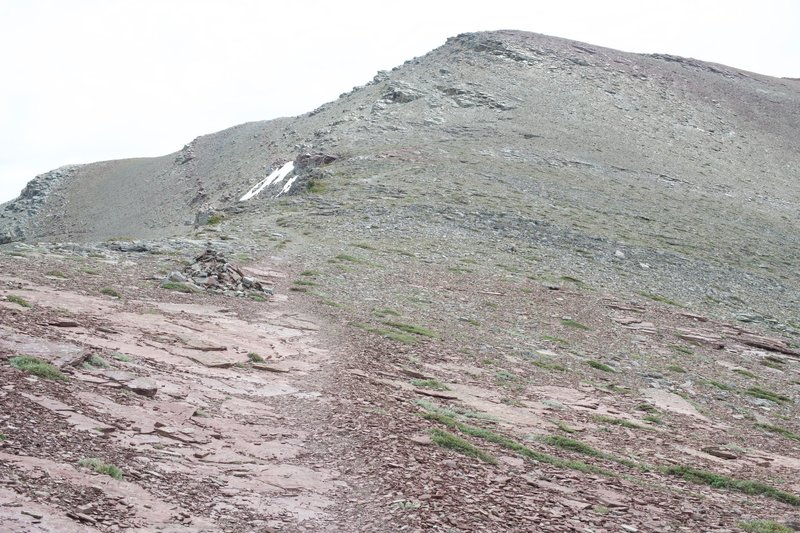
(207, 407)
(225, 413)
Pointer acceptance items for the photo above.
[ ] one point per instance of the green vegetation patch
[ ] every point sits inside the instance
(548, 365)
(718, 385)
(316, 186)
(744, 372)
(348, 258)
(575, 324)
(773, 362)
(515, 446)
(572, 445)
(410, 328)
(676, 368)
(448, 440)
(779, 431)
(758, 392)
(119, 356)
(432, 384)
(455, 412)
(255, 358)
(600, 366)
(653, 419)
(557, 340)
(108, 291)
(659, 298)
(618, 422)
(179, 287)
(101, 467)
(717, 481)
(55, 274)
(397, 336)
(96, 361)
(19, 300)
(681, 349)
(764, 526)
(37, 367)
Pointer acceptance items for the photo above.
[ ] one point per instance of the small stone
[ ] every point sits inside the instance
(420, 439)
(144, 386)
(177, 277)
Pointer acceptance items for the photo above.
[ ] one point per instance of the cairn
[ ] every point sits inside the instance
(212, 272)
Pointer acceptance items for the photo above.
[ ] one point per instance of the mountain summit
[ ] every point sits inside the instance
(659, 153)
(520, 283)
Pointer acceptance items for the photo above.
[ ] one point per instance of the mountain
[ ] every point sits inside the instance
(575, 265)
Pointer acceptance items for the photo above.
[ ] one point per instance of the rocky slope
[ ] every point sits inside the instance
(545, 286)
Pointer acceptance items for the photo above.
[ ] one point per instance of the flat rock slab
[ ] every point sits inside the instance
(142, 386)
(58, 353)
(669, 401)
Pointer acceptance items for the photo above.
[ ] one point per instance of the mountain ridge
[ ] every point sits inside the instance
(519, 283)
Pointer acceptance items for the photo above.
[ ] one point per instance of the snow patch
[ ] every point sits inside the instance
(277, 176)
(287, 187)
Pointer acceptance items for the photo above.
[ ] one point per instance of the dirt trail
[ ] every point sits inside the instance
(205, 407)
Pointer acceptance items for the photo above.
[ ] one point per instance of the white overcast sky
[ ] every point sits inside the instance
(87, 80)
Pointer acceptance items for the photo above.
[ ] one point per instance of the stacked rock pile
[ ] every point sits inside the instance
(212, 272)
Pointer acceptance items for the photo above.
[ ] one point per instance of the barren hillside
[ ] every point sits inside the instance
(518, 284)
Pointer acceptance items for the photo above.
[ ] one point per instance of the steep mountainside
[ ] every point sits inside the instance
(545, 286)
(684, 163)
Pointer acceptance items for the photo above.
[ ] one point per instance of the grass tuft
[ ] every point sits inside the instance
(448, 440)
(19, 300)
(119, 356)
(255, 358)
(96, 361)
(618, 422)
(37, 367)
(575, 324)
(549, 366)
(659, 298)
(758, 392)
(717, 384)
(108, 291)
(397, 336)
(717, 481)
(101, 467)
(779, 431)
(409, 328)
(179, 287)
(348, 258)
(764, 526)
(600, 366)
(432, 384)
(515, 446)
